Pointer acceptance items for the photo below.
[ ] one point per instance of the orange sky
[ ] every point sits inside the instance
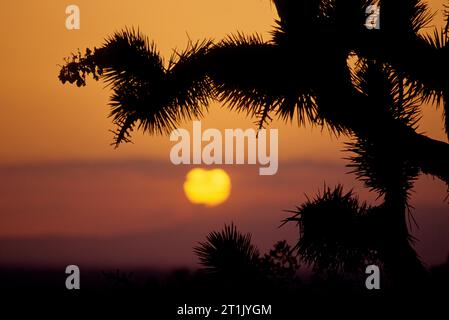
(60, 175)
(43, 120)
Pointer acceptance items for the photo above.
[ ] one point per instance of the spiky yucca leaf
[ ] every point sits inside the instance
(146, 93)
(254, 77)
(439, 93)
(389, 92)
(337, 232)
(378, 160)
(228, 252)
(404, 16)
(382, 168)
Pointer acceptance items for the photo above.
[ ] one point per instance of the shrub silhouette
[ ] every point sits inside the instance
(228, 252)
(229, 256)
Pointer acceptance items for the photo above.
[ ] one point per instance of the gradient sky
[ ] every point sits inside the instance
(62, 180)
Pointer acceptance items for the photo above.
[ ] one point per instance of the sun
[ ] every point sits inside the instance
(207, 187)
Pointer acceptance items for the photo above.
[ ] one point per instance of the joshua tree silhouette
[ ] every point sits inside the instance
(323, 66)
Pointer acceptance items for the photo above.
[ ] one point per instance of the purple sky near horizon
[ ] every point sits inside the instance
(118, 213)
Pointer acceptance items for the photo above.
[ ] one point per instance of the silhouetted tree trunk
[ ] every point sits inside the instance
(403, 266)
